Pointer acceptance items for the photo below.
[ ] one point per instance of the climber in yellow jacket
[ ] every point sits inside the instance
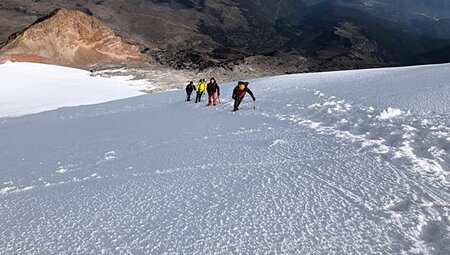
(201, 88)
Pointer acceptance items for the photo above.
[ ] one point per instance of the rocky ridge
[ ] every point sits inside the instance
(70, 38)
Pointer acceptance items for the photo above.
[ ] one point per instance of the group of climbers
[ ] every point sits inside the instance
(213, 90)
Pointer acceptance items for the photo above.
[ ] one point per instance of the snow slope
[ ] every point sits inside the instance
(30, 88)
(336, 163)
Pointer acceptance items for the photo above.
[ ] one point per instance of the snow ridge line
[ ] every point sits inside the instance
(14, 189)
(6, 191)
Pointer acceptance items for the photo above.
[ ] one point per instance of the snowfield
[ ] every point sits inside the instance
(27, 88)
(352, 162)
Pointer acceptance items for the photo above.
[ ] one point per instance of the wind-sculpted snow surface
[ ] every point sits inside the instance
(335, 163)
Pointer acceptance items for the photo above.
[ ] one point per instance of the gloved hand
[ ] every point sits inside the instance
(254, 99)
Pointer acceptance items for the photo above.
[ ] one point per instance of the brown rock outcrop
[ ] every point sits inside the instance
(70, 38)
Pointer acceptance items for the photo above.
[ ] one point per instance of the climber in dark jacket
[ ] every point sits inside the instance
(213, 90)
(239, 93)
(189, 88)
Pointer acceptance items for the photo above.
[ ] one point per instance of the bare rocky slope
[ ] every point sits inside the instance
(71, 38)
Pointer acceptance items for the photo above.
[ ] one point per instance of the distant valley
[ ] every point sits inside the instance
(251, 38)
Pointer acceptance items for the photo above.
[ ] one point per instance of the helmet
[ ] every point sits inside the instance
(242, 86)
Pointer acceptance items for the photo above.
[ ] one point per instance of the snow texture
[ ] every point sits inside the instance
(27, 88)
(335, 163)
